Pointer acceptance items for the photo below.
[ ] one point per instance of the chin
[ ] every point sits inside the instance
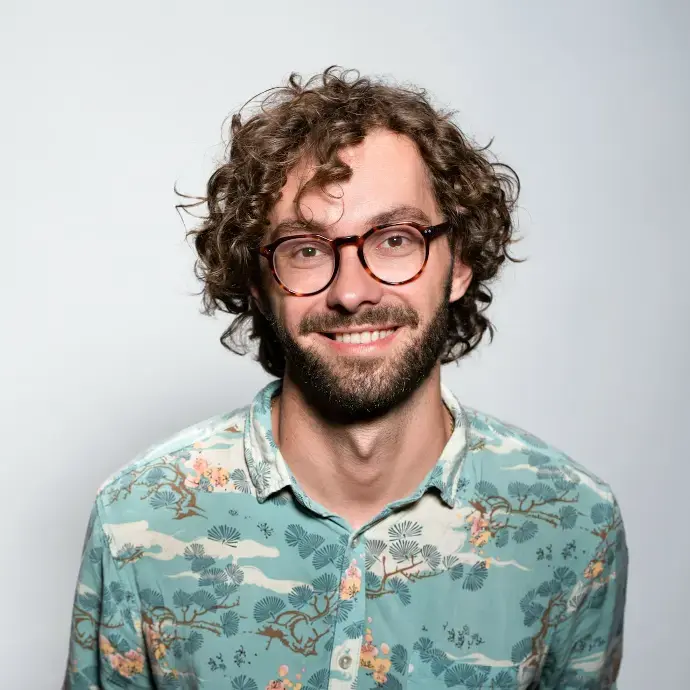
(357, 390)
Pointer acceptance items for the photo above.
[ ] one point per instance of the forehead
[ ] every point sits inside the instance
(387, 171)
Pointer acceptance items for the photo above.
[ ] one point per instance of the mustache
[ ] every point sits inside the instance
(398, 315)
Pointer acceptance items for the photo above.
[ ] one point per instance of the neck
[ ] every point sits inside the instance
(355, 470)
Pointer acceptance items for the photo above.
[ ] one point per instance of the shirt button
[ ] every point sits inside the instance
(345, 662)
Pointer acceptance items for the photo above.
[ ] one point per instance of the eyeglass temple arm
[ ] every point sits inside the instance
(436, 230)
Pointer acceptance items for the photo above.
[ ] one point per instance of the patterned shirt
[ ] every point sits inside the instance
(206, 566)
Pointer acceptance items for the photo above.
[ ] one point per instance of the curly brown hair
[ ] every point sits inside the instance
(315, 120)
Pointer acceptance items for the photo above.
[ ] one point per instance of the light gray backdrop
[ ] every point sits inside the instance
(106, 106)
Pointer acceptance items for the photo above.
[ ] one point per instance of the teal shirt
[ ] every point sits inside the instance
(206, 566)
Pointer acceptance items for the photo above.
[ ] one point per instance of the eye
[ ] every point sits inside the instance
(394, 241)
(306, 251)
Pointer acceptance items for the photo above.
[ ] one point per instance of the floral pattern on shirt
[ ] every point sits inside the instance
(206, 565)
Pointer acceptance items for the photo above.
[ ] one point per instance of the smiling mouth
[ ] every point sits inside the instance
(362, 337)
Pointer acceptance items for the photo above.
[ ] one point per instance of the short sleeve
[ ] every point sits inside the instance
(106, 647)
(587, 650)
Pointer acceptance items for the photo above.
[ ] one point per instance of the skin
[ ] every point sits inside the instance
(356, 469)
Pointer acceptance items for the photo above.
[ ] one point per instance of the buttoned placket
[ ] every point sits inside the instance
(345, 657)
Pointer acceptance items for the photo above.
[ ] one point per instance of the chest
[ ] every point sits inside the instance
(311, 607)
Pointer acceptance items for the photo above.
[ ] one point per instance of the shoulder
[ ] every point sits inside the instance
(200, 456)
(503, 446)
(513, 471)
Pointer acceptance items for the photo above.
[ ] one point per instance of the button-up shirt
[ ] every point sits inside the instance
(207, 566)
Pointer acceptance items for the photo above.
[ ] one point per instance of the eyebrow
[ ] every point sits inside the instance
(398, 214)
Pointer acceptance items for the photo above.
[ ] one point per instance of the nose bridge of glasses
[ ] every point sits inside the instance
(339, 242)
(357, 242)
(352, 280)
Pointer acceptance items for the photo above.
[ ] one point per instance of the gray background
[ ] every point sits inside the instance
(103, 349)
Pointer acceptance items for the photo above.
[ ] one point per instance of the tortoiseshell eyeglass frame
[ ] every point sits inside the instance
(428, 232)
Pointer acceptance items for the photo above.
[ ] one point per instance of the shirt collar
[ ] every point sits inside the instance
(269, 472)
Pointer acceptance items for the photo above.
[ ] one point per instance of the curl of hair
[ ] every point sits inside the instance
(315, 119)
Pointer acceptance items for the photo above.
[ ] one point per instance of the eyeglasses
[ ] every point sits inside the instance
(396, 254)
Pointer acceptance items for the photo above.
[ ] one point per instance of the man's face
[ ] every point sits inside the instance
(350, 381)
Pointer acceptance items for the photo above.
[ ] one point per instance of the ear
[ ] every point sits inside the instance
(257, 299)
(461, 279)
(462, 274)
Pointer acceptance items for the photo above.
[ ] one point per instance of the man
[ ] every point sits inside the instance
(355, 526)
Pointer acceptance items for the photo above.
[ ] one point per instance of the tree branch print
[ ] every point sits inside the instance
(165, 486)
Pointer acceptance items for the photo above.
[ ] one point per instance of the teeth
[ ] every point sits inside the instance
(362, 338)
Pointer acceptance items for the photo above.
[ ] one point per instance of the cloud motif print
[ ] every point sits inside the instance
(206, 565)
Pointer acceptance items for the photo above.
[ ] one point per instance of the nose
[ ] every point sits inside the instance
(352, 285)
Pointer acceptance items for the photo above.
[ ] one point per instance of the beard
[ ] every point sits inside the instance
(354, 389)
